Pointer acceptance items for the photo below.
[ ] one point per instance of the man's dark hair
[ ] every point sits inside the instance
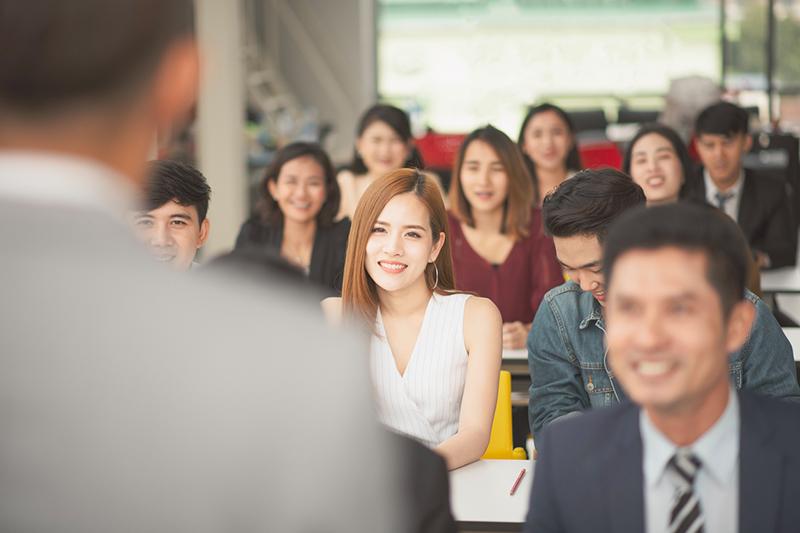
(722, 118)
(588, 202)
(175, 181)
(268, 208)
(57, 54)
(688, 227)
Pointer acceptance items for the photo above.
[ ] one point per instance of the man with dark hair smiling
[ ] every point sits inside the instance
(566, 345)
(759, 204)
(173, 224)
(690, 453)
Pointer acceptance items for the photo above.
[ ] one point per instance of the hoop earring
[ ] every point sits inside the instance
(436, 270)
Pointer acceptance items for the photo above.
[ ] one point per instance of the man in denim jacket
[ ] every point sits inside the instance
(566, 344)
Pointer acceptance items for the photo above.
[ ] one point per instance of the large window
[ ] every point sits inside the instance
(460, 64)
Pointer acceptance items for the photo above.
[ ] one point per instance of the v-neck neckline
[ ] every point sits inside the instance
(411, 357)
(479, 256)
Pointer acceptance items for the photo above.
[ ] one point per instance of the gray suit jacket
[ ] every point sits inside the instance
(589, 473)
(133, 399)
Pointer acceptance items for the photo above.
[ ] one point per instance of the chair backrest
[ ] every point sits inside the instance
(501, 442)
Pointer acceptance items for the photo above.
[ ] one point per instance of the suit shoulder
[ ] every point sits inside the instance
(583, 435)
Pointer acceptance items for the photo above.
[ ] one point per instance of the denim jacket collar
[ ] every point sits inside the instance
(595, 315)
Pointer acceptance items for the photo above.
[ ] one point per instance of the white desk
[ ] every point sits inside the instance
(515, 355)
(479, 493)
(781, 280)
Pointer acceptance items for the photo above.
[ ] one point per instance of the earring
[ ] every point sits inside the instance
(436, 270)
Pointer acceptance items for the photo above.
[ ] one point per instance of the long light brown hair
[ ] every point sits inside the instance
(359, 293)
(517, 208)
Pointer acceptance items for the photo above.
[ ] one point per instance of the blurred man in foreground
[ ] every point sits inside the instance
(133, 402)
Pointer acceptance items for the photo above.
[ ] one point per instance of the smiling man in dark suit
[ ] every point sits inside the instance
(758, 203)
(690, 453)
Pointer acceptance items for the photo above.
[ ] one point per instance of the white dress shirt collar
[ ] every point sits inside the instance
(59, 180)
(732, 205)
(717, 449)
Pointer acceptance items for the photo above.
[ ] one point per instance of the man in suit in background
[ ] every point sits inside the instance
(689, 452)
(758, 203)
(132, 400)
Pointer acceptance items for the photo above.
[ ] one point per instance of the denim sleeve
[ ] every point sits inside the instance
(768, 366)
(556, 383)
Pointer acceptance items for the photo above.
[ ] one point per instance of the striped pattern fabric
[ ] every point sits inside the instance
(686, 515)
(425, 401)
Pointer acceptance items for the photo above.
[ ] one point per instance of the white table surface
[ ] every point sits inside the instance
(479, 491)
(515, 355)
(781, 280)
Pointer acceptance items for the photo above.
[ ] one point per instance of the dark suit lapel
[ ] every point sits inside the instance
(760, 470)
(748, 206)
(623, 475)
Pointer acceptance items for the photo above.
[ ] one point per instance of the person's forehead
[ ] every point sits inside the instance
(660, 272)
(578, 247)
(719, 137)
(405, 209)
(173, 208)
(651, 141)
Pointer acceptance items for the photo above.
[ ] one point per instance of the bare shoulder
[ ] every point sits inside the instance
(481, 313)
(332, 309)
(483, 329)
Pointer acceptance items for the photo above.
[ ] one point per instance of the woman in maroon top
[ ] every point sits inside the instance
(499, 249)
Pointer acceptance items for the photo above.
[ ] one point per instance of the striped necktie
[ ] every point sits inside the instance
(723, 198)
(686, 515)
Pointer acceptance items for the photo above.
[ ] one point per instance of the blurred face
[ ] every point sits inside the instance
(401, 245)
(581, 257)
(299, 189)
(172, 233)
(655, 167)
(382, 149)
(483, 178)
(722, 156)
(668, 342)
(547, 141)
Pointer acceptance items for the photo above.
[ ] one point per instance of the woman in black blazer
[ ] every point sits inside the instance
(295, 215)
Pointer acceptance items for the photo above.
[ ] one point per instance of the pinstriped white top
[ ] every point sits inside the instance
(425, 401)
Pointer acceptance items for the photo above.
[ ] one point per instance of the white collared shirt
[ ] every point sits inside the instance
(52, 179)
(732, 205)
(717, 481)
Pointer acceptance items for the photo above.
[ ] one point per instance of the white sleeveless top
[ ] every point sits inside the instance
(424, 402)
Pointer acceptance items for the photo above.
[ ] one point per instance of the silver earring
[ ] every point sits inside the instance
(436, 283)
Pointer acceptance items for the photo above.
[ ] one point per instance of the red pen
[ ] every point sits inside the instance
(517, 481)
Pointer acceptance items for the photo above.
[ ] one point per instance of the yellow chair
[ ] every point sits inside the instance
(501, 442)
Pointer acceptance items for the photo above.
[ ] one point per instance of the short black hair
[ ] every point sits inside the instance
(176, 181)
(57, 53)
(588, 202)
(689, 227)
(670, 135)
(395, 118)
(722, 118)
(268, 209)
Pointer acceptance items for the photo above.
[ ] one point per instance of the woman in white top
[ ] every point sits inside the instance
(383, 144)
(434, 353)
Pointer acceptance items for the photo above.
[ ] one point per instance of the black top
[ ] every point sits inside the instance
(765, 214)
(327, 257)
